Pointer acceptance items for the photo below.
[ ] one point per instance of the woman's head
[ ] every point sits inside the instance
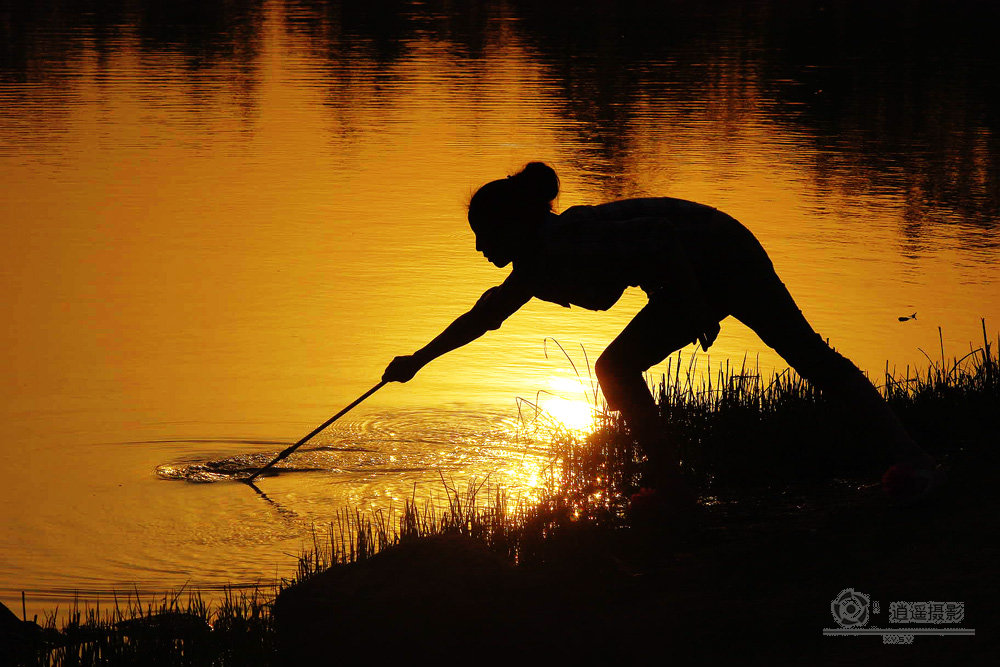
(505, 212)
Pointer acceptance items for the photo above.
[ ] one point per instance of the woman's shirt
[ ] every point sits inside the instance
(589, 255)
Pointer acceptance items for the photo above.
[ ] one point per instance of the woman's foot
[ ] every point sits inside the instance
(663, 499)
(908, 483)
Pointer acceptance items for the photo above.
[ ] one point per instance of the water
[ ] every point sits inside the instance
(220, 223)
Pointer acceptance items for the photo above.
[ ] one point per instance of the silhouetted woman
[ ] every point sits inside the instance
(696, 264)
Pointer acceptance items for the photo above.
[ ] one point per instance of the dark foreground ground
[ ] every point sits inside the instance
(753, 582)
(750, 581)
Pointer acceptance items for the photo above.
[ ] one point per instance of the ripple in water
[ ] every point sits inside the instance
(235, 467)
(399, 442)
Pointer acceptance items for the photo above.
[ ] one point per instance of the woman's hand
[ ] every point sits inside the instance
(402, 369)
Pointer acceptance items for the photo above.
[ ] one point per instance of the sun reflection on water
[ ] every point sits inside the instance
(577, 416)
(568, 403)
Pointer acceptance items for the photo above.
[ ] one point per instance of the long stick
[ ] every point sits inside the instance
(284, 454)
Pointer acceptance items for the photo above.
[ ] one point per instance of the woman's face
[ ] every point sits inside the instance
(496, 238)
(494, 248)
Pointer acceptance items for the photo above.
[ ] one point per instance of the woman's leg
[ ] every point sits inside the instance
(773, 315)
(656, 331)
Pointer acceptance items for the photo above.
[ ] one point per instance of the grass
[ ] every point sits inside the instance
(179, 630)
(739, 434)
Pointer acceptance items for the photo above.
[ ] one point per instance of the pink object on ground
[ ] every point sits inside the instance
(675, 503)
(905, 484)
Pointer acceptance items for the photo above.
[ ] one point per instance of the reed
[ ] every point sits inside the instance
(738, 433)
(238, 631)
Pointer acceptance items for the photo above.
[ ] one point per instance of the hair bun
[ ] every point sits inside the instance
(539, 182)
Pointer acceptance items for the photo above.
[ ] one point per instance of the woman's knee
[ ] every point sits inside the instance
(819, 363)
(609, 368)
(605, 369)
(619, 380)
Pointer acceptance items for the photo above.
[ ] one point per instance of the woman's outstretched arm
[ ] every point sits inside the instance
(496, 305)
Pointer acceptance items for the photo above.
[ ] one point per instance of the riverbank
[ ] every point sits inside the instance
(791, 516)
(752, 582)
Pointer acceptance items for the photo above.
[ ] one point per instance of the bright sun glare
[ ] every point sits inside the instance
(575, 415)
(568, 405)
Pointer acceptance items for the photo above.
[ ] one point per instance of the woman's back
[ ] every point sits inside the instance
(588, 255)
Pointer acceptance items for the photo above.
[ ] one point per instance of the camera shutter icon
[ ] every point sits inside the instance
(850, 608)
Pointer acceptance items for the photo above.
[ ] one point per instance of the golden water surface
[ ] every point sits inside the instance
(208, 247)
